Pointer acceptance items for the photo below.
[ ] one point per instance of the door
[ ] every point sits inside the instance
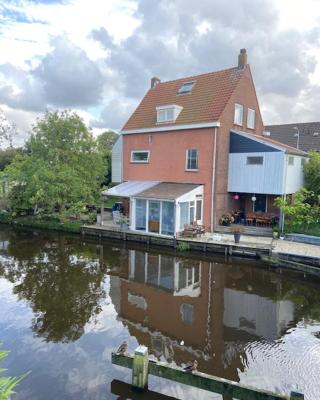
(260, 205)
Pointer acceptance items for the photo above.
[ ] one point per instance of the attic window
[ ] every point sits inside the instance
(186, 88)
(168, 113)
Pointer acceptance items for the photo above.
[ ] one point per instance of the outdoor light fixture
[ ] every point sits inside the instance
(236, 197)
(253, 198)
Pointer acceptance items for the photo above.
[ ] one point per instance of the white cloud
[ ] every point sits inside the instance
(98, 56)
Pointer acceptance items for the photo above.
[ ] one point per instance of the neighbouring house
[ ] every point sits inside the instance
(194, 149)
(304, 136)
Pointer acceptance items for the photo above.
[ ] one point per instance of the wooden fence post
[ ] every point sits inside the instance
(296, 396)
(140, 368)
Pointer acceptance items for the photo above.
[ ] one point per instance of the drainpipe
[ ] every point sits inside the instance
(284, 194)
(214, 157)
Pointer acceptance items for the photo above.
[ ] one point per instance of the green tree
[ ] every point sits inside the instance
(302, 210)
(312, 173)
(7, 156)
(105, 142)
(61, 168)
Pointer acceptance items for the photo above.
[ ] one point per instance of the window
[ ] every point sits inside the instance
(254, 160)
(140, 156)
(165, 115)
(186, 312)
(168, 113)
(238, 114)
(250, 118)
(186, 88)
(192, 160)
(198, 210)
(141, 214)
(303, 161)
(291, 160)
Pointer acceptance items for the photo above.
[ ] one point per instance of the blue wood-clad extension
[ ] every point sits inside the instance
(242, 144)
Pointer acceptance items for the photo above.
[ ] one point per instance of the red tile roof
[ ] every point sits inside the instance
(205, 103)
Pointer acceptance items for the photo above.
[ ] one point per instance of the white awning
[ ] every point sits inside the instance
(130, 188)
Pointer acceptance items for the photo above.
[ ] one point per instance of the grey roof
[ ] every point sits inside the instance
(285, 133)
(168, 191)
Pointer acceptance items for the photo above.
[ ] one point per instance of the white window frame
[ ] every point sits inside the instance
(187, 158)
(168, 113)
(236, 107)
(251, 118)
(142, 161)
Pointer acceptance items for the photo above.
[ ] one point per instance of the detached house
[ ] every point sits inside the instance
(195, 148)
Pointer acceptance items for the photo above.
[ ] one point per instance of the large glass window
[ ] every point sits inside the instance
(154, 216)
(167, 223)
(192, 159)
(141, 214)
(192, 211)
(184, 214)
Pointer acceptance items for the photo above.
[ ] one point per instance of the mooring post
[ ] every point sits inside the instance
(296, 396)
(140, 368)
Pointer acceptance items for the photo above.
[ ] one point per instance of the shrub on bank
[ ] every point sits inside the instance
(43, 222)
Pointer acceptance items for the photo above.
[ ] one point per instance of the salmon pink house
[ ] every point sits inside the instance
(194, 149)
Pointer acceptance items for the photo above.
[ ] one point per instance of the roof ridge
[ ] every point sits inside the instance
(195, 76)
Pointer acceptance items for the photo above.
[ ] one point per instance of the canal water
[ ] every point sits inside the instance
(67, 302)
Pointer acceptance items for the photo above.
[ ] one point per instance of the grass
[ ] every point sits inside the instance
(37, 222)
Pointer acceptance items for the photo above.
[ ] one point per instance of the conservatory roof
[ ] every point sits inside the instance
(130, 188)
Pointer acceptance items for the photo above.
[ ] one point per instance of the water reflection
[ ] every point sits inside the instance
(240, 321)
(62, 283)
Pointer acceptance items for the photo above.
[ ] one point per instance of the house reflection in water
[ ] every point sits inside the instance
(213, 309)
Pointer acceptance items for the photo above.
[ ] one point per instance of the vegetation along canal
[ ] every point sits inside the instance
(66, 304)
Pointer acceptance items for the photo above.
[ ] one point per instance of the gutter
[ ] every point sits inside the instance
(214, 159)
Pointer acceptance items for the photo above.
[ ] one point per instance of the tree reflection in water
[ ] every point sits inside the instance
(61, 279)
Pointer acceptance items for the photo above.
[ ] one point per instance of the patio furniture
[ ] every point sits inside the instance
(189, 231)
(200, 229)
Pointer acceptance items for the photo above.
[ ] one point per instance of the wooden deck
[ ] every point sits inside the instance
(208, 243)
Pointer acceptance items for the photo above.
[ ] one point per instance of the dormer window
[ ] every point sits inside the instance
(168, 113)
(186, 88)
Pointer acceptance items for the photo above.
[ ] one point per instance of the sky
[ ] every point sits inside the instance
(97, 56)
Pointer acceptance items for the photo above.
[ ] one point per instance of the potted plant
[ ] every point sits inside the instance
(237, 230)
(276, 232)
(226, 219)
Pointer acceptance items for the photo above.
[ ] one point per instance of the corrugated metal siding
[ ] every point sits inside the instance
(241, 144)
(295, 176)
(264, 179)
(116, 164)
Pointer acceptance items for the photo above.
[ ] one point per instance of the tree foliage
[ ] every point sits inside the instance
(105, 142)
(7, 156)
(61, 169)
(312, 173)
(303, 209)
(7, 131)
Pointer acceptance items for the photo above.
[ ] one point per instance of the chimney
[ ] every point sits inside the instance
(242, 59)
(154, 82)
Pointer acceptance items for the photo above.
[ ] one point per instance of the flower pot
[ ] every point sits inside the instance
(237, 237)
